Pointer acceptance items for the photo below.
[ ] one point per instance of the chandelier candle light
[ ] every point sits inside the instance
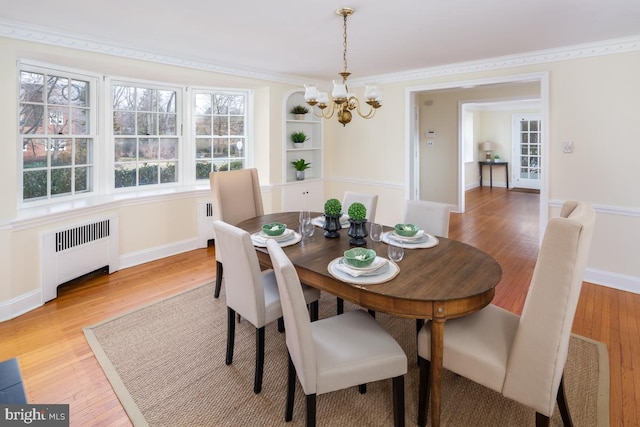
(343, 102)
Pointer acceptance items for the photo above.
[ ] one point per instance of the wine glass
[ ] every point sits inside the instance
(395, 250)
(304, 217)
(375, 231)
(307, 229)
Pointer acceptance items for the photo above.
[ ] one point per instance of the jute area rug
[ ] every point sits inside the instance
(165, 362)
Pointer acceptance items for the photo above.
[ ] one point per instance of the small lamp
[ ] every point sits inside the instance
(487, 147)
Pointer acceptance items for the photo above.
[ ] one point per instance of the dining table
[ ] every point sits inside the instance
(447, 280)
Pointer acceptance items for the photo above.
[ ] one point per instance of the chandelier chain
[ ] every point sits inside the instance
(344, 43)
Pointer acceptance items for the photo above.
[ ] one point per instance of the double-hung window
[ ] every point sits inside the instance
(220, 130)
(145, 132)
(57, 115)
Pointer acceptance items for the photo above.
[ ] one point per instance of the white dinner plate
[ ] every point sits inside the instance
(384, 274)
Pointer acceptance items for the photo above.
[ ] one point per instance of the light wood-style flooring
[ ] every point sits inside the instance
(58, 366)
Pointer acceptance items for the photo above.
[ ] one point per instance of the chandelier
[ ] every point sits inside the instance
(343, 102)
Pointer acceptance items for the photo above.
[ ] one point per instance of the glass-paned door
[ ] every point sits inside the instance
(527, 145)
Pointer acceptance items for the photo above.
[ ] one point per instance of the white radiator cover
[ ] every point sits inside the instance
(75, 250)
(205, 224)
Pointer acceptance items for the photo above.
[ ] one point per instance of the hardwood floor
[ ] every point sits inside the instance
(58, 366)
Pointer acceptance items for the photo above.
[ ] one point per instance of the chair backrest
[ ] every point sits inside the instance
(432, 217)
(539, 352)
(370, 202)
(296, 318)
(244, 287)
(235, 195)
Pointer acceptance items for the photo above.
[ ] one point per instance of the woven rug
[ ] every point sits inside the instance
(165, 362)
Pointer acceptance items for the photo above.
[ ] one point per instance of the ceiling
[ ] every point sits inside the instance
(303, 38)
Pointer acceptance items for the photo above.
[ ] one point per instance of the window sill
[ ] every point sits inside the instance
(30, 216)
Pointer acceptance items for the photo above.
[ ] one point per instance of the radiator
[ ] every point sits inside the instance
(73, 251)
(205, 224)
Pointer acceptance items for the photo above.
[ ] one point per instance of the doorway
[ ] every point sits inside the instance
(457, 170)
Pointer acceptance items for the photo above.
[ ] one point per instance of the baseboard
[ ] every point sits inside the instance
(30, 301)
(613, 280)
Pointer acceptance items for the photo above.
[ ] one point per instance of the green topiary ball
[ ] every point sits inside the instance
(332, 207)
(357, 212)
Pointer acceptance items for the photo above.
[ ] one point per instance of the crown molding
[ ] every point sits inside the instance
(606, 47)
(43, 35)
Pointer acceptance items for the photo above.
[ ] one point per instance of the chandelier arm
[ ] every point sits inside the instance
(354, 101)
(325, 113)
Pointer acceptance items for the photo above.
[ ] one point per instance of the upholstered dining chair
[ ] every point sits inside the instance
(370, 202)
(523, 357)
(251, 293)
(336, 352)
(432, 217)
(235, 196)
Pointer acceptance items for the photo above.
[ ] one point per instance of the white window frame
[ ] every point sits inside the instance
(93, 133)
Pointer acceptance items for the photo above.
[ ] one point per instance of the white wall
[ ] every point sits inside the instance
(592, 102)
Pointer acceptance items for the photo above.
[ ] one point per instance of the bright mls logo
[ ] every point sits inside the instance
(34, 415)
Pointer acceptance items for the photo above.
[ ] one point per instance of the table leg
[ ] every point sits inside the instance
(480, 167)
(437, 349)
(490, 175)
(506, 168)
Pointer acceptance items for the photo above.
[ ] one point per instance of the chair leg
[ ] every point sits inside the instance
(362, 388)
(419, 325)
(257, 383)
(311, 410)
(216, 293)
(291, 390)
(542, 420)
(280, 325)
(314, 308)
(423, 391)
(340, 305)
(563, 405)
(372, 313)
(231, 334)
(398, 401)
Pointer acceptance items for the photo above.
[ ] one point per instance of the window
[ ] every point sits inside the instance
(220, 126)
(145, 130)
(56, 122)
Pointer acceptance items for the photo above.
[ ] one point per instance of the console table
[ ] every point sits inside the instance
(491, 165)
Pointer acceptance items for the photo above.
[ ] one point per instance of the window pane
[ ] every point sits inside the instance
(34, 153)
(147, 124)
(60, 150)
(125, 149)
(34, 184)
(125, 175)
(203, 148)
(31, 118)
(168, 148)
(166, 101)
(148, 148)
(60, 181)
(148, 174)
(80, 121)
(57, 90)
(203, 125)
(82, 151)
(236, 148)
(203, 104)
(220, 126)
(221, 148)
(168, 172)
(83, 179)
(167, 124)
(124, 123)
(236, 125)
(203, 169)
(145, 99)
(79, 93)
(123, 98)
(31, 87)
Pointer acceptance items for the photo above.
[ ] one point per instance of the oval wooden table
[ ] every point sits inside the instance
(450, 280)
